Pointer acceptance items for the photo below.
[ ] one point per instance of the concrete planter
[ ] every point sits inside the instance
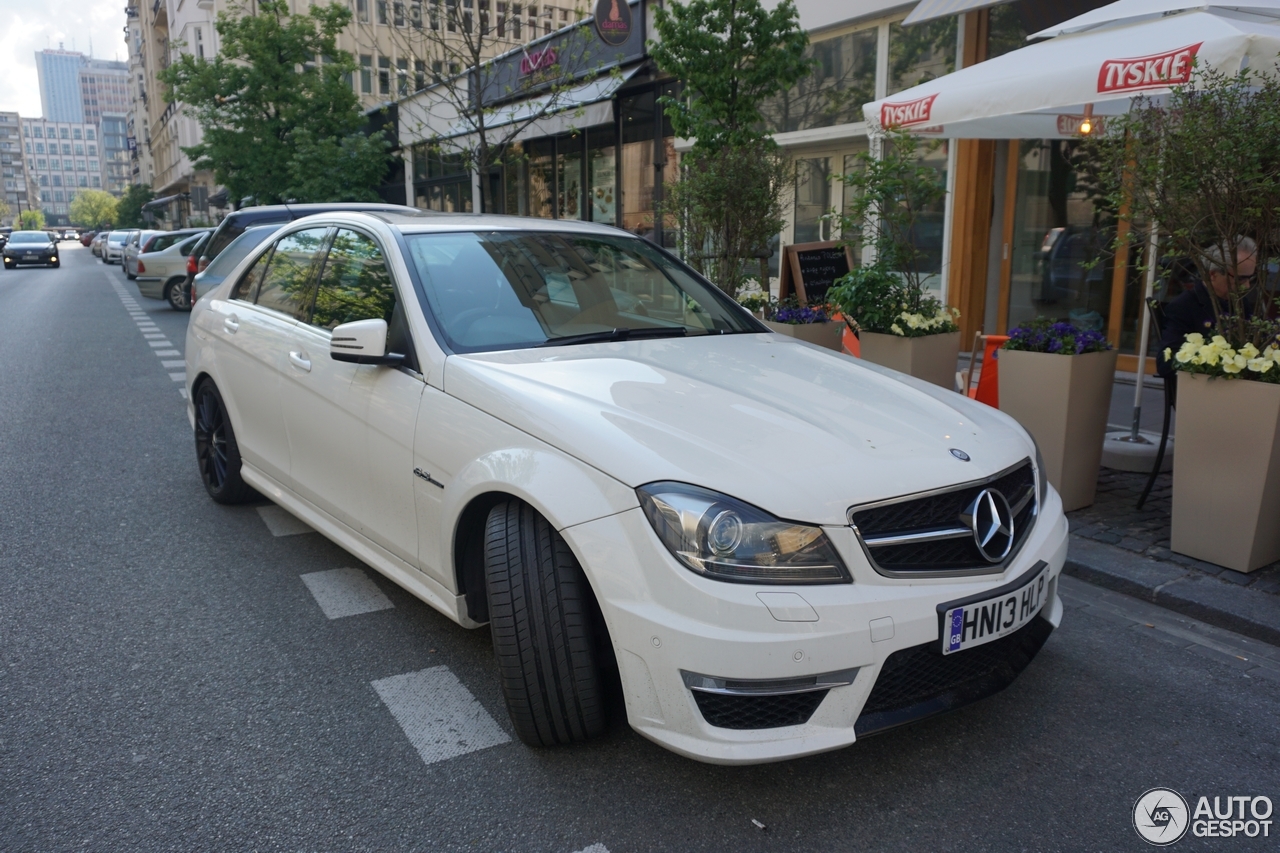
(823, 334)
(1063, 400)
(1226, 483)
(931, 358)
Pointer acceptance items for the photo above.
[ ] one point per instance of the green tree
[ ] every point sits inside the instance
(31, 220)
(92, 208)
(129, 207)
(5, 210)
(279, 124)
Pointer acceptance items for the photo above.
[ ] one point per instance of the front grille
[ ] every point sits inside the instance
(920, 681)
(942, 511)
(758, 712)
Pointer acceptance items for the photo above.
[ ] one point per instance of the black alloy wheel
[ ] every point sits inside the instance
(553, 652)
(217, 453)
(176, 295)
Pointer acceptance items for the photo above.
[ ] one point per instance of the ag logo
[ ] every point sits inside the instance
(1161, 817)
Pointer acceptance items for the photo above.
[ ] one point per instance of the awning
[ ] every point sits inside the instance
(1138, 10)
(1040, 91)
(929, 10)
(161, 202)
(562, 109)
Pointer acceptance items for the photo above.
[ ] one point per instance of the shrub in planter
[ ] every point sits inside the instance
(1226, 481)
(1055, 380)
(809, 323)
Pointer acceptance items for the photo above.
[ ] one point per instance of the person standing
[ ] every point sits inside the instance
(1193, 311)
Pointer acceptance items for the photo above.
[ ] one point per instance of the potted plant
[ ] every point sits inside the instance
(899, 324)
(1055, 380)
(1212, 182)
(809, 323)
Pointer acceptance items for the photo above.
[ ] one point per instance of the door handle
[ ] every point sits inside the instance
(300, 361)
(231, 324)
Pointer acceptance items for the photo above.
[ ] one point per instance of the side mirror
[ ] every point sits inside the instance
(363, 342)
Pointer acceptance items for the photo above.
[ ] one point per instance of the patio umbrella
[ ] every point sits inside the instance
(1091, 67)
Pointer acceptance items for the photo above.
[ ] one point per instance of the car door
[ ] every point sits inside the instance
(351, 426)
(257, 327)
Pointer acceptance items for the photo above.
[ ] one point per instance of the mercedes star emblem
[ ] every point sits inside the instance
(991, 521)
(959, 454)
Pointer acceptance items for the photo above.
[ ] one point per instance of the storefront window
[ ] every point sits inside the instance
(813, 200)
(921, 52)
(441, 182)
(569, 178)
(1007, 30)
(843, 79)
(541, 171)
(637, 161)
(1057, 236)
(515, 187)
(602, 181)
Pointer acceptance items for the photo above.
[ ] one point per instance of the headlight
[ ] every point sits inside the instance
(1042, 479)
(726, 539)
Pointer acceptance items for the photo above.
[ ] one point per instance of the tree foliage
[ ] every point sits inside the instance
(278, 125)
(92, 208)
(1204, 165)
(129, 207)
(731, 55)
(5, 210)
(31, 220)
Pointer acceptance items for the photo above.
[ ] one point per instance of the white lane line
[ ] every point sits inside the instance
(151, 336)
(182, 392)
(172, 364)
(438, 714)
(151, 333)
(281, 523)
(345, 592)
(160, 343)
(178, 377)
(594, 848)
(167, 352)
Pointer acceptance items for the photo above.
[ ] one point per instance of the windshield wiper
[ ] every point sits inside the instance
(622, 334)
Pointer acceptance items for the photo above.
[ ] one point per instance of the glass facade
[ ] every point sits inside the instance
(920, 53)
(843, 79)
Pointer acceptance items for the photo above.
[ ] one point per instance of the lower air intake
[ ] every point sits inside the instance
(758, 712)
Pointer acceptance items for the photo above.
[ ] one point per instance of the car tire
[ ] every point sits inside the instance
(547, 629)
(130, 275)
(175, 294)
(217, 452)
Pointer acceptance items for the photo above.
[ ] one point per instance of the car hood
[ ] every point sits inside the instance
(799, 431)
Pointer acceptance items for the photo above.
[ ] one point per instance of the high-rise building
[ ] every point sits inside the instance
(62, 158)
(116, 171)
(59, 73)
(104, 89)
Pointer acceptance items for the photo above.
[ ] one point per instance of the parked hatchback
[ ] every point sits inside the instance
(463, 403)
(162, 267)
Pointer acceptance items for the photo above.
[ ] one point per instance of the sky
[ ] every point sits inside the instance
(32, 25)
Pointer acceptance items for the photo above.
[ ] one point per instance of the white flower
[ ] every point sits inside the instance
(896, 329)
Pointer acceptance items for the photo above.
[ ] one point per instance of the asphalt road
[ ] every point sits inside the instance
(169, 681)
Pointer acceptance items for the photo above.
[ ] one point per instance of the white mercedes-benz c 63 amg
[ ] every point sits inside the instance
(558, 430)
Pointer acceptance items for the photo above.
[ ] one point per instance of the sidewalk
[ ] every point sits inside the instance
(1115, 545)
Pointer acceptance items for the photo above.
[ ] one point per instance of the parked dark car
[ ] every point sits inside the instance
(236, 222)
(30, 247)
(87, 237)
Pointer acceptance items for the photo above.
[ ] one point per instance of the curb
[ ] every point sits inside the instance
(1245, 611)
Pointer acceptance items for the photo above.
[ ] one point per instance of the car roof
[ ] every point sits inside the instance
(297, 211)
(428, 221)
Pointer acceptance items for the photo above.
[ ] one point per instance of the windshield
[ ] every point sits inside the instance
(506, 290)
(117, 236)
(28, 237)
(236, 251)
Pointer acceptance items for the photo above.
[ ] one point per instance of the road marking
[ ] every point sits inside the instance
(178, 377)
(282, 523)
(170, 364)
(438, 714)
(345, 592)
(160, 343)
(594, 848)
(151, 336)
(151, 333)
(167, 352)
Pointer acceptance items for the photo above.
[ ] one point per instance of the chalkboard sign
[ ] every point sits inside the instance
(811, 268)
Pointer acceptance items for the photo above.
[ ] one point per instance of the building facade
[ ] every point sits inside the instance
(104, 89)
(61, 158)
(59, 75)
(12, 167)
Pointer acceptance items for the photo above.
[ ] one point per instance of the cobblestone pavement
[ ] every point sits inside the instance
(1114, 519)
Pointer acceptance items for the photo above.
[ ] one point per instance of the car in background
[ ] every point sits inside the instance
(193, 266)
(134, 247)
(113, 248)
(214, 274)
(237, 221)
(4, 235)
(87, 238)
(70, 234)
(96, 246)
(162, 268)
(30, 247)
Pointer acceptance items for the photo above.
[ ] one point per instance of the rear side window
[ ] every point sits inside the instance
(247, 286)
(289, 283)
(355, 285)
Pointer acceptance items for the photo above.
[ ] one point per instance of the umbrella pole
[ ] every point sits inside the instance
(1152, 248)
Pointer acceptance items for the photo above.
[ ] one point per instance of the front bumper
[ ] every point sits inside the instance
(672, 629)
(42, 259)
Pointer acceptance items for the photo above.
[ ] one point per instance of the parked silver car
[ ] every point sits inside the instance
(113, 249)
(134, 246)
(98, 244)
(161, 269)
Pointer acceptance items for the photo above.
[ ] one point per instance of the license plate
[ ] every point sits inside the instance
(28, 257)
(973, 622)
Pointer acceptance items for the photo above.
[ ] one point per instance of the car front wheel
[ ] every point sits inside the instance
(547, 630)
(217, 452)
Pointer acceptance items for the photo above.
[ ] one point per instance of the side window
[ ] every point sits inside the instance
(355, 285)
(247, 286)
(289, 283)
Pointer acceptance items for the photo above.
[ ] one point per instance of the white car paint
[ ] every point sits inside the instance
(796, 430)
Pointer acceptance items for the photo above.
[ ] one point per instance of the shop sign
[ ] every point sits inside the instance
(539, 60)
(1171, 68)
(907, 113)
(613, 21)
(1069, 125)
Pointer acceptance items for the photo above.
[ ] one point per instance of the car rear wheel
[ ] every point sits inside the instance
(176, 295)
(547, 629)
(217, 452)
